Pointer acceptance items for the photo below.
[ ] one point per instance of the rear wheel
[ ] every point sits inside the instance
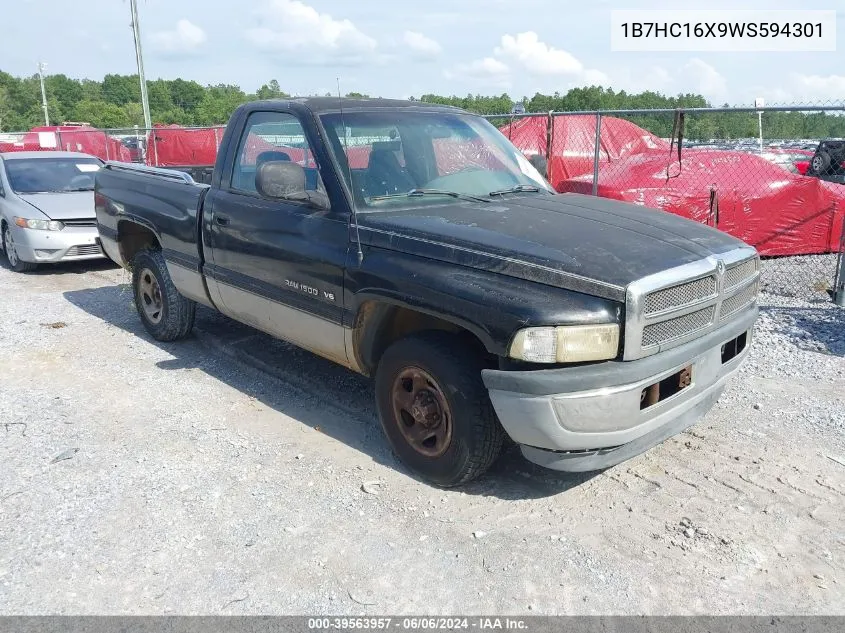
(435, 410)
(821, 162)
(15, 261)
(166, 314)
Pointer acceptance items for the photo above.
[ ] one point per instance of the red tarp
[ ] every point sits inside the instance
(573, 142)
(71, 138)
(777, 212)
(176, 146)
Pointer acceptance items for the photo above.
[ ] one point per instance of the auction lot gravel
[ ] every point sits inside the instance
(226, 474)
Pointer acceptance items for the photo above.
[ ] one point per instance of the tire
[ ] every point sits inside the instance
(15, 262)
(821, 162)
(449, 376)
(166, 314)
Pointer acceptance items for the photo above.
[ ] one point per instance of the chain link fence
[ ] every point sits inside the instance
(192, 149)
(773, 178)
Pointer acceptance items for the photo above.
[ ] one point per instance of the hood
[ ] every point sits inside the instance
(71, 205)
(583, 243)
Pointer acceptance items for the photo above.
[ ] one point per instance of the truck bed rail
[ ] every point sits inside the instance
(161, 172)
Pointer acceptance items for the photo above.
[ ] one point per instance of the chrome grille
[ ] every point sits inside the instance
(665, 331)
(75, 251)
(735, 275)
(675, 306)
(734, 304)
(680, 295)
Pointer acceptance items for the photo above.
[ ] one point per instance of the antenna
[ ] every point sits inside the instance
(349, 173)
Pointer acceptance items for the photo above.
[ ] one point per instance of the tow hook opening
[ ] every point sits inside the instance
(734, 347)
(666, 388)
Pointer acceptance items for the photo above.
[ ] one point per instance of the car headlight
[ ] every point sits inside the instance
(566, 343)
(39, 225)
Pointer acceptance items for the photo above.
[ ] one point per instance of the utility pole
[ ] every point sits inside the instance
(136, 30)
(41, 67)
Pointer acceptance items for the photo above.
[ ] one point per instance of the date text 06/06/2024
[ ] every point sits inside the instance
(417, 623)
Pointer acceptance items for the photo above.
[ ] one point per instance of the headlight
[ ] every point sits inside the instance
(39, 225)
(566, 344)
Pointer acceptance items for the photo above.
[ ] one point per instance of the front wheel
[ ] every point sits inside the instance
(435, 410)
(15, 262)
(166, 314)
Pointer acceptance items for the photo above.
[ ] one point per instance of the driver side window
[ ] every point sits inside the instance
(273, 136)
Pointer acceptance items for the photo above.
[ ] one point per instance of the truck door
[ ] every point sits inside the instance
(278, 264)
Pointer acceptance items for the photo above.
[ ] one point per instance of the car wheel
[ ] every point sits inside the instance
(166, 314)
(821, 162)
(435, 410)
(15, 262)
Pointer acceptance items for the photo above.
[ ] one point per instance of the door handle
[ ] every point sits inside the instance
(222, 220)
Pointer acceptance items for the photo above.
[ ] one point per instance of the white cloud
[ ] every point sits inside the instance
(537, 57)
(818, 88)
(186, 38)
(592, 77)
(487, 68)
(530, 57)
(290, 26)
(422, 46)
(708, 81)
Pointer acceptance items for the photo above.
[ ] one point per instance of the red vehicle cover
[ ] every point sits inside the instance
(176, 146)
(778, 212)
(573, 140)
(71, 138)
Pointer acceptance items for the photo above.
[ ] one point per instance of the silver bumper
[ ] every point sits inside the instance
(593, 417)
(50, 247)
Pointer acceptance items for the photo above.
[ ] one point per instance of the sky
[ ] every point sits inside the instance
(401, 48)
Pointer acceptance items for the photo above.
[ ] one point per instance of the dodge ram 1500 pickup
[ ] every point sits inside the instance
(414, 244)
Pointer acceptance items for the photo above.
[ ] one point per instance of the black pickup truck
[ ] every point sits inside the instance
(414, 244)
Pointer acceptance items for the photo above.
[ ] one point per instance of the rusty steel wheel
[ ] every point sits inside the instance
(434, 408)
(422, 412)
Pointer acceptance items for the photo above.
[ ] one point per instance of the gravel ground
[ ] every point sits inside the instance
(226, 474)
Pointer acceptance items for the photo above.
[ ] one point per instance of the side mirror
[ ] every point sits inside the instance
(285, 180)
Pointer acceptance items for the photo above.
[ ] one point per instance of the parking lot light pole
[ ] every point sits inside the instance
(136, 30)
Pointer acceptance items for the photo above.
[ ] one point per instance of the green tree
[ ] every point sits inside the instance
(187, 95)
(218, 104)
(158, 93)
(121, 89)
(101, 114)
(271, 90)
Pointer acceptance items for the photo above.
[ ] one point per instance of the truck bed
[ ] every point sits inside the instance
(166, 201)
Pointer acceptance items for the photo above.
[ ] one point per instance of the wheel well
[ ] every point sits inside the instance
(380, 324)
(132, 237)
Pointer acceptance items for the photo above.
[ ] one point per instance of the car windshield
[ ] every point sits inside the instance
(405, 158)
(51, 174)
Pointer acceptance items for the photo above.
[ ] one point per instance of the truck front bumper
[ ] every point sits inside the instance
(595, 416)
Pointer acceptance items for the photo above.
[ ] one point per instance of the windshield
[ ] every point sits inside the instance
(47, 175)
(399, 158)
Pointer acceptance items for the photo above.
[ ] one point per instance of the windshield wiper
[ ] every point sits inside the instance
(80, 189)
(431, 192)
(516, 189)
